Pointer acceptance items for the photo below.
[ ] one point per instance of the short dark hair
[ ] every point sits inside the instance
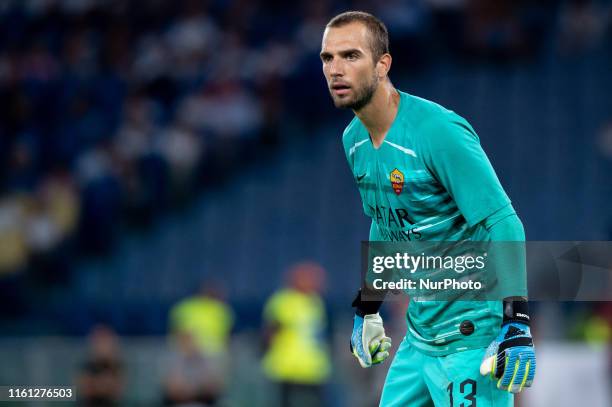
(379, 36)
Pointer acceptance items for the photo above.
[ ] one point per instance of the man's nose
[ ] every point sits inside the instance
(336, 68)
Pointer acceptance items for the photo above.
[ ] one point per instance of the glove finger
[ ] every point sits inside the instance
(379, 344)
(520, 374)
(530, 371)
(379, 357)
(373, 346)
(385, 344)
(510, 363)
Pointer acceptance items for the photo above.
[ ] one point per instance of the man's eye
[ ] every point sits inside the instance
(351, 56)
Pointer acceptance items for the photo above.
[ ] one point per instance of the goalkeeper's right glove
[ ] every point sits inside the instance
(369, 343)
(510, 359)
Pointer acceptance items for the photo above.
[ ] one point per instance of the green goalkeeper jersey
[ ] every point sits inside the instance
(430, 180)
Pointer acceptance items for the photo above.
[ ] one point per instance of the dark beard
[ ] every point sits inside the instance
(363, 98)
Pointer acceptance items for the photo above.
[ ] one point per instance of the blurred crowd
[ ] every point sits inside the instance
(113, 111)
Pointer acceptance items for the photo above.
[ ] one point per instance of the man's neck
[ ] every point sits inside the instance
(379, 114)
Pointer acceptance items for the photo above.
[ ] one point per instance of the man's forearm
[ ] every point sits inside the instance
(508, 259)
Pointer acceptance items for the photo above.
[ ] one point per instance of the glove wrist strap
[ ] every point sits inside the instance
(516, 311)
(363, 308)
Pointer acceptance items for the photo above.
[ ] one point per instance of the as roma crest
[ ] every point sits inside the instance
(397, 180)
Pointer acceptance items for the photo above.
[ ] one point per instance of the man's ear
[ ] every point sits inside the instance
(383, 66)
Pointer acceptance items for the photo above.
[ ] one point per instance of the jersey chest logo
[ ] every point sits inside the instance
(397, 181)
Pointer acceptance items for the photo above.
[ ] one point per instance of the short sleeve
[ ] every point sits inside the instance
(453, 154)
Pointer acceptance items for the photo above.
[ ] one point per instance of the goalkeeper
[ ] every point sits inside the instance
(423, 176)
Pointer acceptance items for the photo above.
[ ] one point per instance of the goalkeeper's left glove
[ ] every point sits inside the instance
(511, 357)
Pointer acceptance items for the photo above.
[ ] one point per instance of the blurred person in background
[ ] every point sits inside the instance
(296, 358)
(193, 378)
(101, 380)
(200, 327)
(207, 318)
(36, 230)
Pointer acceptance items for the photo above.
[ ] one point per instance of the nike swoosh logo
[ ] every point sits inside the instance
(360, 177)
